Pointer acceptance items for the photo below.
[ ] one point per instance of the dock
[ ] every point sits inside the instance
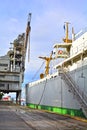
(14, 117)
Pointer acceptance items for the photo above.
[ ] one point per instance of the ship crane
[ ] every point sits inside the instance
(47, 59)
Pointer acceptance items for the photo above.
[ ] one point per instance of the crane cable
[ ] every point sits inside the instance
(38, 70)
(42, 92)
(29, 48)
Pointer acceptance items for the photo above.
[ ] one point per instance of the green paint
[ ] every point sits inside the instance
(64, 111)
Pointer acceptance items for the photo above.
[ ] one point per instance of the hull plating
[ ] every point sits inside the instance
(54, 94)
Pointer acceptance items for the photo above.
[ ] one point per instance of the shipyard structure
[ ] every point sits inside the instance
(12, 65)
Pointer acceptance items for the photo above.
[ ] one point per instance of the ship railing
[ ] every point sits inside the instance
(50, 76)
(80, 33)
(80, 47)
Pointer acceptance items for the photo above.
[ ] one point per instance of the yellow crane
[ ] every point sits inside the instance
(47, 59)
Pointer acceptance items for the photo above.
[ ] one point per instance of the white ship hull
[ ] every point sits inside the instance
(54, 93)
(65, 91)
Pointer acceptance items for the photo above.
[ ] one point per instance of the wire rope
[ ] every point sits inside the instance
(42, 92)
(38, 71)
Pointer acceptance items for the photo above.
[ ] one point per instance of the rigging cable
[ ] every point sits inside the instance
(38, 71)
(29, 48)
(42, 93)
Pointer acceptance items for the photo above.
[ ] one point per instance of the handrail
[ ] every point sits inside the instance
(80, 33)
(77, 48)
(76, 88)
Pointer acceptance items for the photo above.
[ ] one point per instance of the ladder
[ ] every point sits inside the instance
(74, 88)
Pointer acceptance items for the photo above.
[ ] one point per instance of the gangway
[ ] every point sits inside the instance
(75, 89)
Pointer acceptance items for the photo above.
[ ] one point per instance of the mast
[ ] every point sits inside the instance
(66, 27)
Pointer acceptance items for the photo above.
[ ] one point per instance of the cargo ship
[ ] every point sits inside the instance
(65, 90)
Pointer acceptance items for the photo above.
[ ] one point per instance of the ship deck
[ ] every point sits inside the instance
(73, 59)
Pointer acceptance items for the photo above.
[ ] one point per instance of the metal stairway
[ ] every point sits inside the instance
(74, 88)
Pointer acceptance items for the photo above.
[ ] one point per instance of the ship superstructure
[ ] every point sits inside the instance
(12, 65)
(64, 91)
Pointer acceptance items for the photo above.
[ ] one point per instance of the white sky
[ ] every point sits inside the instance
(48, 17)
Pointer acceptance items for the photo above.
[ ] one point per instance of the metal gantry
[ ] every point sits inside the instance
(12, 65)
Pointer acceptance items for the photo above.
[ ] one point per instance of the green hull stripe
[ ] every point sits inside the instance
(64, 111)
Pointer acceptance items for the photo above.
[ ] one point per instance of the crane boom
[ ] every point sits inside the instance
(28, 29)
(47, 59)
